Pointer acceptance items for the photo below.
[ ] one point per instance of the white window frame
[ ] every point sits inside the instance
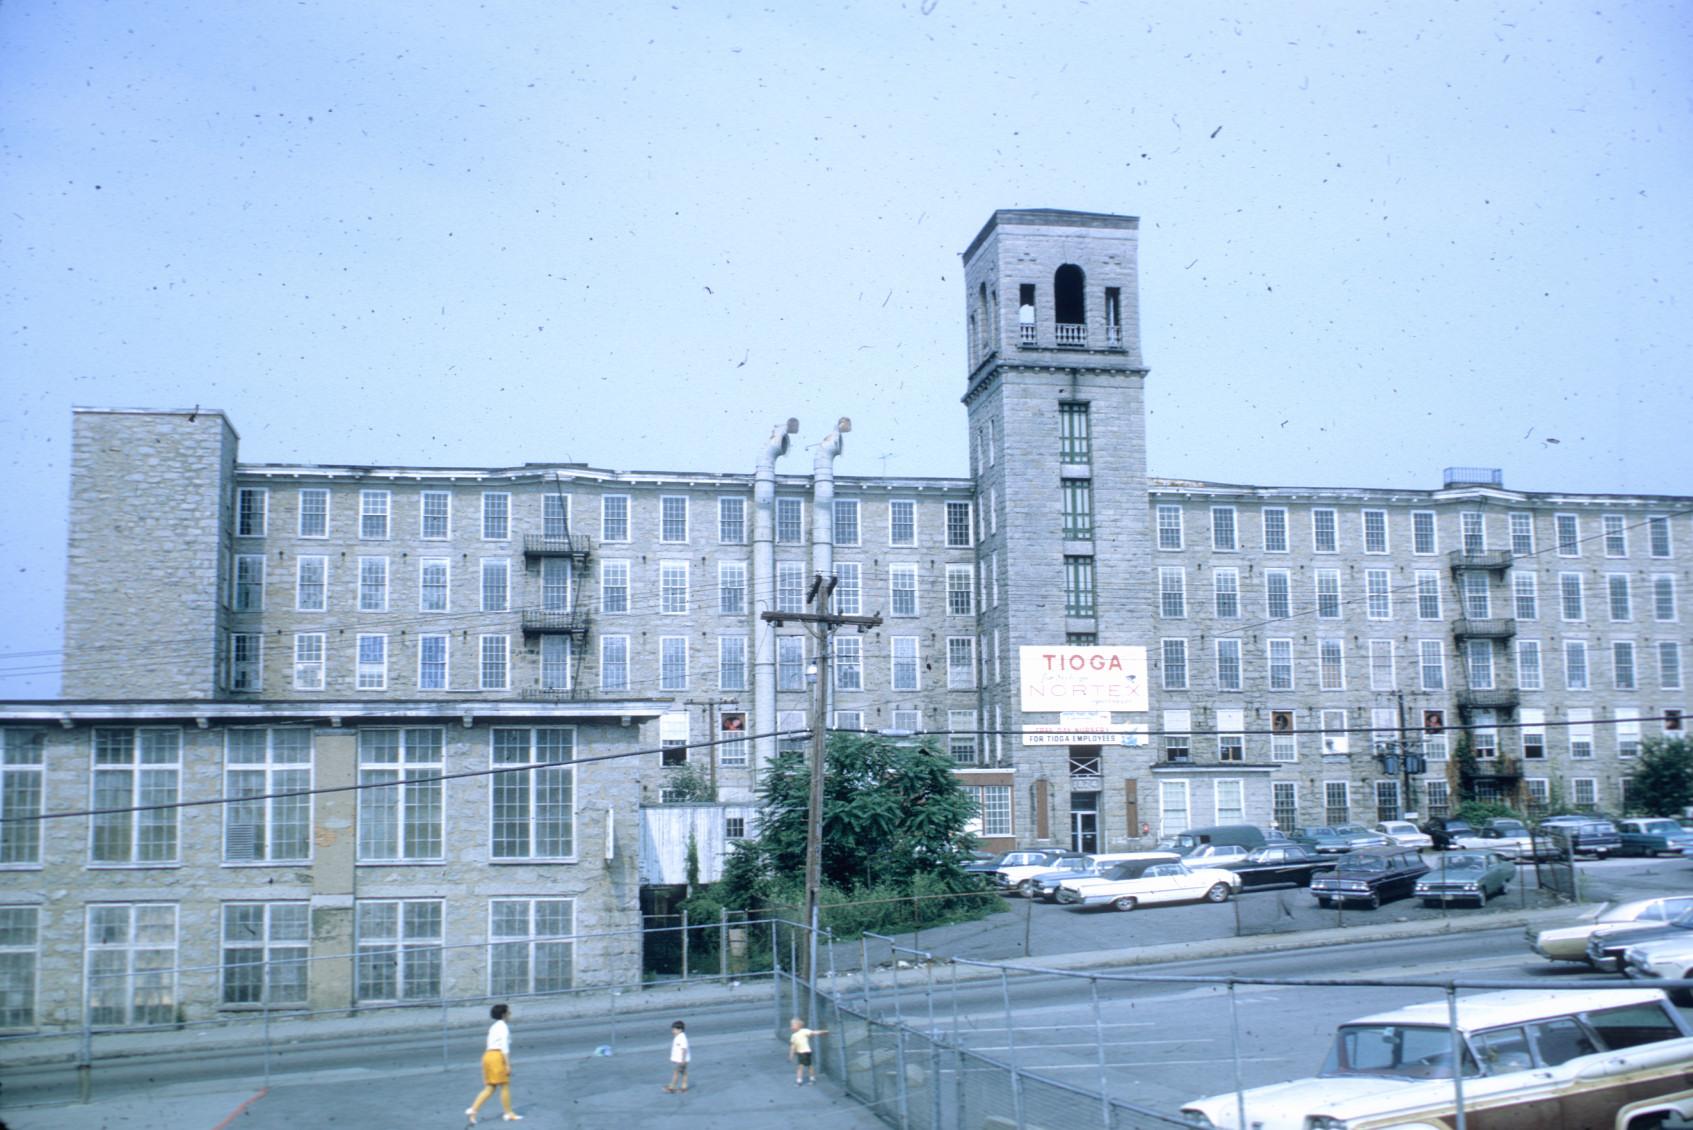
(610, 644)
(425, 669)
(23, 782)
(961, 663)
(493, 655)
(279, 956)
(527, 775)
(731, 663)
(408, 946)
(1170, 535)
(373, 589)
(376, 512)
(673, 663)
(496, 584)
(247, 588)
(371, 662)
(895, 506)
(529, 950)
(1433, 527)
(903, 600)
(1274, 545)
(443, 520)
(905, 671)
(1317, 530)
(673, 590)
(300, 527)
(670, 531)
(731, 588)
(148, 966)
(1364, 518)
(304, 666)
(302, 587)
(245, 524)
(612, 569)
(411, 801)
(151, 836)
(610, 531)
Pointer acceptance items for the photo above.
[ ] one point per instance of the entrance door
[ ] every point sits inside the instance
(1084, 822)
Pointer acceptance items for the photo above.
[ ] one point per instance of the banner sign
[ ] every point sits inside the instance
(1082, 678)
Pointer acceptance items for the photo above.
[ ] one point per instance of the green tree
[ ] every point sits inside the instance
(1663, 778)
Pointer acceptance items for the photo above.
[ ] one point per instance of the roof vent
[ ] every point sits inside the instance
(1475, 477)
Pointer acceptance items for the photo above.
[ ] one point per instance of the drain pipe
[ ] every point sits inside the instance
(823, 501)
(764, 593)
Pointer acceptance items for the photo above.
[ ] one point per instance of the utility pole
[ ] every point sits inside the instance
(712, 734)
(1404, 758)
(822, 625)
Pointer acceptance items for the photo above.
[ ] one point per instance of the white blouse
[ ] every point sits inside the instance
(499, 1038)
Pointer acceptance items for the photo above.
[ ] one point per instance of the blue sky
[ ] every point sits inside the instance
(1376, 240)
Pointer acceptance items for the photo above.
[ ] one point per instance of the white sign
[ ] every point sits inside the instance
(1126, 733)
(1082, 678)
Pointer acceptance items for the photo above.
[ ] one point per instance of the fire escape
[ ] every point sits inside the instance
(1489, 687)
(561, 559)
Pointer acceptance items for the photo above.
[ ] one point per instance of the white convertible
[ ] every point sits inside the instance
(1139, 882)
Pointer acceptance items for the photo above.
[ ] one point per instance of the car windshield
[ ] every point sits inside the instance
(1405, 1051)
(1364, 863)
(1661, 828)
(1464, 861)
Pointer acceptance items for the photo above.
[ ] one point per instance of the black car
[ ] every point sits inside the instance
(1605, 950)
(1371, 876)
(1597, 838)
(1279, 863)
(1444, 831)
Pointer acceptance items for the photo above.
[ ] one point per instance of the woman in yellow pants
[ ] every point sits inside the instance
(496, 1066)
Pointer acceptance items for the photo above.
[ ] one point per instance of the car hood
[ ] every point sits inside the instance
(1659, 947)
(1285, 1106)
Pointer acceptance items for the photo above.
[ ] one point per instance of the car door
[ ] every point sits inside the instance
(1164, 882)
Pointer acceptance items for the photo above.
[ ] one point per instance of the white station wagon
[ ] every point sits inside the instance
(1139, 883)
(1531, 1059)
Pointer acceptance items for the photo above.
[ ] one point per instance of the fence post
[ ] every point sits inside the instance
(267, 1026)
(902, 1088)
(1011, 1051)
(1099, 1042)
(935, 1110)
(864, 969)
(775, 976)
(445, 1063)
(1457, 1051)
(1234, 1041)
(723, 942)
(684, 943)
(85, 1058)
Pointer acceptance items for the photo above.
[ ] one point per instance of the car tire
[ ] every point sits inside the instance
(1323, 901)
(1026, 888)
(1374, 901)
(1219, 892)
(1124, 902)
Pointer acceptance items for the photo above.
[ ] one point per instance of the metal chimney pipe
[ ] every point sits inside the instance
(764, 592)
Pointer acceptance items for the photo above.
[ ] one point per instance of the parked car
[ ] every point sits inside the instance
(1362, 837)
(1129, 885)
(984, 863)
(1405, 834)
(1501, 841)
(1605, 950)
(1597, 838)
(1465, 876)
(1248, 836)
(1045, 885)
(1323, 839)
(1569, 943)
(1371, 876)
(1529, 1058)
(1665, 959)
(1443, 830)
(1215, 855)
(1026, 864)
(1280, 863)
(1654, 835)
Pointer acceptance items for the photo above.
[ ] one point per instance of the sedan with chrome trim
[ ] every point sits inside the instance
(1135, 884)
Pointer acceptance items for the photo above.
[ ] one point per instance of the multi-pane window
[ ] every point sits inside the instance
(1478, 603)
(1173, 815)
(1571, 596)
(614, 663)
(961, 736)
(1431, 665)
(1424, 539)
(1428, 595)
(1525, 595)
(1280, 656)
(496, 584)
(849, 720)
(261, 824)
(1275, 529)
(1478, 656)
(1616, 535)
(1328, 594)
(1228, 665)
(308, 661)
(993, 808)
(1172, 592)
(902, 522)
(1231, 746)
(790, 662)
(1669, 665)
(1378, 594)
(314, 512)
(1075, 439)
(614, 586)
(534, 797)
(1175, 665)
(1529, 677)
(557, 658)
(1225, 587)
(373, 514)
(673, 663)
(530, 946)
(960, 590)
(373, 584)
(494, 670)
(435, 515)
(673, 517)
(673, 587)
(432, 661)
(432, 587)
(1336, 809)
(614, 517)
(1622, 665)
(496, 516)
(131, 964)
(246, 661)
(1375, 531)
(732, 520)
(902, 590)
(555, 584)
(848, 597)
(1381, 665)
(1569, 535)
(1628, 731)
(1278, 605)
(1439, 797)
(958, 524)
(1533, 731)
(846, 521)
(1580, 731)
(1178, 742)
(1223, 534)
(1387, 800)
(1331, 725)
(1284, 804)
(1472, 525)
(555, 516)
(1657, 535)
(139, 769)
(249, 583)
(1078, 586)
(1663, 598)
(1522, 534)
(1324, 538)
(731, 663)
(20, 940)
(252, 512)
(960, 662)
(265, 947)
(1575, 665)
(400, 797)
(1331, 664)
(311, 584)
(399, 949)
(1621, 597)
(1169, 526)
(790, 521)
(732, 588)
(847, 661)
(1077, 514)
(905, 663)
(22, 764)
(790, 586)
